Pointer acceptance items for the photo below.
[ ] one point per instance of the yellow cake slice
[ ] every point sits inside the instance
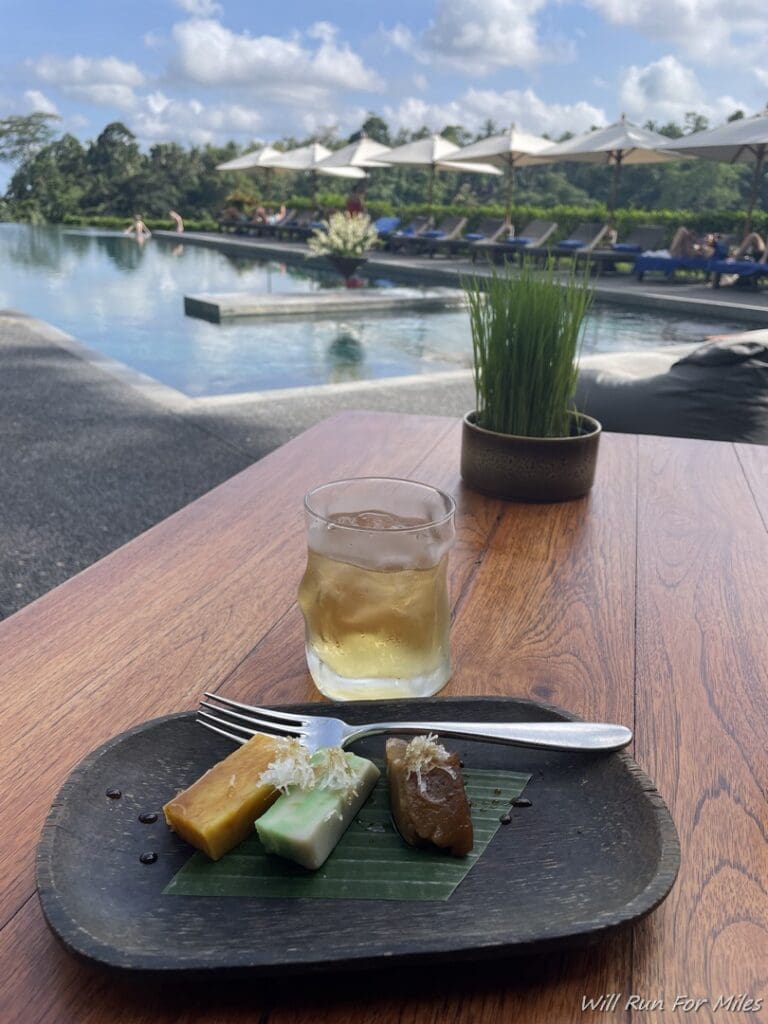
(218, 811)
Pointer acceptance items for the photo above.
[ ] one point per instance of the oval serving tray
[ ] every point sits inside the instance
(596, 850)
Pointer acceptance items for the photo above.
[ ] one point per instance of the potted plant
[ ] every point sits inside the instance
(344, 240)
(524, 439)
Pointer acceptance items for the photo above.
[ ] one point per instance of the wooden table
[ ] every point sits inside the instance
(646, 604)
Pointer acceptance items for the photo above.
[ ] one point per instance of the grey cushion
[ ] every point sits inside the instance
(719, 391)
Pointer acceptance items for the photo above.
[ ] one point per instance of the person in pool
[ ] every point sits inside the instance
(177, 220)
(139, 229)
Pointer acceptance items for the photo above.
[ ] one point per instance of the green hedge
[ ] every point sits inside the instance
(567, 217)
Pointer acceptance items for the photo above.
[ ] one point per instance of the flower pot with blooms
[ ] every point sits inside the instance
(344, 241)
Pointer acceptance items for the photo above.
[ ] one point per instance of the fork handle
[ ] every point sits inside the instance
(546, 735)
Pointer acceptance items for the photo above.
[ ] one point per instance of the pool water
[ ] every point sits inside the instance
(125, 300)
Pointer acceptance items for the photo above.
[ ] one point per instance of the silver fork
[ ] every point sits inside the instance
(316, 731)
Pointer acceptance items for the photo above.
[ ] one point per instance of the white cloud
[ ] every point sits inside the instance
(402, 38)
(210, 54)
(521, 106)
(477, 37)
(152, 40)
(706, 30)
(199, 8)
(161, 118)
(666, 90)
(762, 75)
(39, 102)
(86, 71)
(104, 81)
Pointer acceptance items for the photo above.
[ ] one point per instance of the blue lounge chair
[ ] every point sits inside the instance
(642, 239)
(489, 230)
(397, 240)
(749, 271)
(584, 238)
(669, 265)
(532, 238)
(386, 226)
(448, 229)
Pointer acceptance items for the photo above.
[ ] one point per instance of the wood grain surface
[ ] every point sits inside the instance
(645, 603)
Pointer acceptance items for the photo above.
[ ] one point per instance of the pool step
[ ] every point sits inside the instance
(351, 301)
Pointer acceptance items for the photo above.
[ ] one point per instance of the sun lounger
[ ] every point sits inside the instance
(301, 227)
(232, 223)
(584, 238)
(386, 226)
(413, 229)
(488, 230)
(748, 271)
(645, 238)
(267, 230)
(533, 237)
(669, 265)
(448, 229)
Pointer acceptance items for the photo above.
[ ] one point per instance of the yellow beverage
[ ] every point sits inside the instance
(375, 592)
(376, 624)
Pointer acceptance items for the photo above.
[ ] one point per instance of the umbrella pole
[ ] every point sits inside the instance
(431, 187)
(510, 186)
(614, 190)
(755, 189)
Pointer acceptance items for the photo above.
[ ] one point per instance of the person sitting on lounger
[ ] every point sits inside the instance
(752, 248)
(275, 218)
(687, 244)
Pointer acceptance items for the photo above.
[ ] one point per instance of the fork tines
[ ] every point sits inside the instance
(231, 713)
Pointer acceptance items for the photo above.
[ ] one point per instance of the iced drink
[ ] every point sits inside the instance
(375, 592)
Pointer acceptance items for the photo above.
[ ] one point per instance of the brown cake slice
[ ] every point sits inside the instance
(427, 795)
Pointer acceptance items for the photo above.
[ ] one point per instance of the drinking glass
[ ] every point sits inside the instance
(375, 592)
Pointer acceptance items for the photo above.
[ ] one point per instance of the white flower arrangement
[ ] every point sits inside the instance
(343, 235)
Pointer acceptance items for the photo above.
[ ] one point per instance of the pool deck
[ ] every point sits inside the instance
(95, 454)
(682, 297)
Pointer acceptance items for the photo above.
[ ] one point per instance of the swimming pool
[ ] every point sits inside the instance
(126, 302)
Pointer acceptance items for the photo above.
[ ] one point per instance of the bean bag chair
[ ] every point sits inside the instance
(717, 391)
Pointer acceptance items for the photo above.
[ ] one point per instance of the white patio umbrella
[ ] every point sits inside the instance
(738, 142)
(261, 159)
(434, 152)
(364, 152)
(618, 144)
(507, 151)
(308, 158)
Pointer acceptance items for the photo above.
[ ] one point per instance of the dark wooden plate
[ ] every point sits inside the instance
(596, 850)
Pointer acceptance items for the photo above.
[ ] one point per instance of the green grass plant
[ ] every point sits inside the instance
(527, 329)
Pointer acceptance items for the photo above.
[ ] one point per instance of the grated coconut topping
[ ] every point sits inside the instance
(291, 768)
(295, 767)
(423, 755)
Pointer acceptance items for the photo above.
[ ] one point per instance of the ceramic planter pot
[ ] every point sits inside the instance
(530, 468)
(346, 265)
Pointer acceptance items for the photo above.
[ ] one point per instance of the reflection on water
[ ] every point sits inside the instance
(126, 301)
(346, 355)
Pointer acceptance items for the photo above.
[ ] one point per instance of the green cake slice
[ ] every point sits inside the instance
(305, 825)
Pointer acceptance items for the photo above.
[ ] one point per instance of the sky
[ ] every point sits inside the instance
(197, 71)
